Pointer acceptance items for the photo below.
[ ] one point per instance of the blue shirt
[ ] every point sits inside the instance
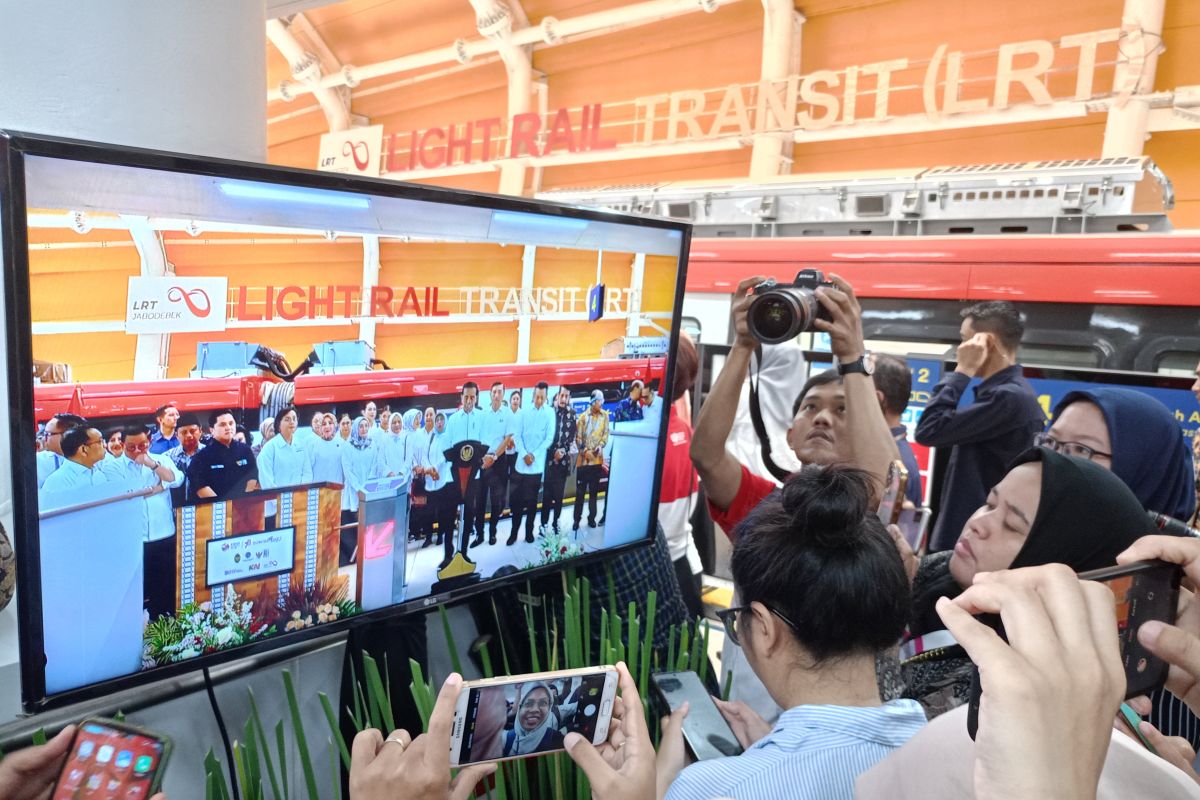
(283, 464)
(813, 753)
(463, 427)
(160, 444)
(535, 431)
(496, 425)
(158, 515)
(912, 489)
(325, 459)
(47, 462)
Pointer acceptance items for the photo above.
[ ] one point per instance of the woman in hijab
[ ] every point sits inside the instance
(421, 519)
(442, 493)
(533, 730)
(1048, 509)
(392, 446)
(266, 430)
(1137, 437)
(360, 462)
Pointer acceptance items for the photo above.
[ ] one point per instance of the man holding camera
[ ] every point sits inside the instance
(837, 419)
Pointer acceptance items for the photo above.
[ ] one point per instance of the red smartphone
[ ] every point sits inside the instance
(112, 760)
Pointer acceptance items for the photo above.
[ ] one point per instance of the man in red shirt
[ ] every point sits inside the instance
(837, 419)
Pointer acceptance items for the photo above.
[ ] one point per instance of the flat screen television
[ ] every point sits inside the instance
(252, 405)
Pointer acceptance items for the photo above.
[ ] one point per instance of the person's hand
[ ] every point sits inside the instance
(1175, 750)
(741, 305)
(623, 767)
(488, 460)
(529, 459)
(745, 722)
(252, 485)
(672, 754)
(1178, 644)
(559, 454)
(433, 473)
(907, 556)
(845, 323)
(1050, 693)
(972, 353)
(30, 774)
(414, 769)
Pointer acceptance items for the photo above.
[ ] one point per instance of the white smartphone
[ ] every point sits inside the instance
(523, 715)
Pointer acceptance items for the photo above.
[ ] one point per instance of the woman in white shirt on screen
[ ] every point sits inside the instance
(282, 461)
(436, 468)
(361, 461)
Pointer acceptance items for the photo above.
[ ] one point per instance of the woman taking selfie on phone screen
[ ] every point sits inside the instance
(1048, 509)
(821, 590)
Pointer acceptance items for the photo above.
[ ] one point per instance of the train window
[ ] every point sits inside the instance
(970, 195)
(1024, 194)
(1059, 355)
(1176, 362)
(958, 195)
(1038, 193)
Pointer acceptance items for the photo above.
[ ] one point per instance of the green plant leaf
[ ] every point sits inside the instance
(310, 778)
(334, 728)
(648, 645)
(358, 714)
(450, 645)
(333, 771)
(264, 746)
(422, 693)
(500, 635)
(281, 748)
(586, 594)
(377, 695)
(728, 685)
(39, 737)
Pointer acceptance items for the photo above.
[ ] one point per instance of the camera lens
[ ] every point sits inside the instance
(775, 317)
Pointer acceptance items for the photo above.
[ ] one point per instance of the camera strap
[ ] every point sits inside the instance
(760, 429)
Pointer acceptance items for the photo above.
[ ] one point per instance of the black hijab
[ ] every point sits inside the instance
(1086, 516)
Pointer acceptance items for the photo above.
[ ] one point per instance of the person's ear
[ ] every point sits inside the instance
(879, 397)
(766, 629)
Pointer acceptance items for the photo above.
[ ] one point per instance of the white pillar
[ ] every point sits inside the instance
(780, 58)
(524, 313)
(1125, 130)
(370, 279)
(633, 325)
(496, 20)
(186, 77)
(151, 353)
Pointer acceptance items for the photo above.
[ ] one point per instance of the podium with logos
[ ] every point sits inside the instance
(465, 459)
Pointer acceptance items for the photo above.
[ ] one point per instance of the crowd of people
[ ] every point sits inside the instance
(851, 657)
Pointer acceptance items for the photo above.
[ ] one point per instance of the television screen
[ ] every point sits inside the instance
(255, 404)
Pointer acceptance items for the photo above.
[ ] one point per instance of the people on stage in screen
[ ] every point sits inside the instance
(466, 425)
(283, 462)
(225, 467)
(51, 457)
(139, 468)
(421, 517)
(360, 462)
(591, 437)
(190, 443)
(443, 496)
(534, 432)
(325, 451)
(560, 458)
(82, 452)
(498, 426)
(164, 436)
(114, 442)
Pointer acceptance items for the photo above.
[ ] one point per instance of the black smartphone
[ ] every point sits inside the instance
(110, 759)
(1145, 590)
(705, 731)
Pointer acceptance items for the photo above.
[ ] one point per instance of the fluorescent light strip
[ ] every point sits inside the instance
(283, 194)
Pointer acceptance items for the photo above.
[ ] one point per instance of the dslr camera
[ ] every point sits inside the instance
(779, 313)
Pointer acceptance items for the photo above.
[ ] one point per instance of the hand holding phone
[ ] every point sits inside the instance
(29, 773)
(112, 759)
(892, 501)
(705, 730)
(525, 715)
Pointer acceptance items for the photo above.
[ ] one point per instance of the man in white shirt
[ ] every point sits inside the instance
(535, 431)
(466, 425)
(82, 449)
(499, 424)
(51, 457)
(139, 468)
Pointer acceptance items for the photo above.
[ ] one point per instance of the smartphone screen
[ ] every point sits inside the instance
(110, 762)
(914, 524)
(1144, 591)
(706, 732)
(531, 715)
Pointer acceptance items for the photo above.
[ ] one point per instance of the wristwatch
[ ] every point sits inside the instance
(861, 364)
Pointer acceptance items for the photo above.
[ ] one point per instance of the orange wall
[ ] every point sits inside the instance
(706, 51)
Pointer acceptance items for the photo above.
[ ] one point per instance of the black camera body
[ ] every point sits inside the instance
(779, 313)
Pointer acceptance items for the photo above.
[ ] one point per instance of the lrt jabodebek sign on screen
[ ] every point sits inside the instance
(175, 305)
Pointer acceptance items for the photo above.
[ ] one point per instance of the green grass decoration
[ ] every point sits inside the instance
(648, 645)
(422, 693)
(310, 777)
(728, 685)
(358, 713)
(338, 739)
(454, 660)
(264, 747)
(500, 634)
(215, 784)
(39, 737)
(333, 770)
(586, 594)
(281, 748)
(380, 703)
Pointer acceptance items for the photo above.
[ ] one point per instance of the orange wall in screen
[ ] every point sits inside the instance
(707, 51)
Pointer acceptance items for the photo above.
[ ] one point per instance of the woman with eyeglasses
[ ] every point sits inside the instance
(1049, 509)
(1138, 438)
(821, 590)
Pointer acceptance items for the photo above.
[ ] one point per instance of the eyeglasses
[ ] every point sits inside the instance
(728, 617)
(532, 705)
(1068, 448)
(138, 448)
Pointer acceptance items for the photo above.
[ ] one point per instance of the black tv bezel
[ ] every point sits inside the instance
(14, 256)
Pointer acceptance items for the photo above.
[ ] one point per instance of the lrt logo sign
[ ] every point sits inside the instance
(357, 151)
(175, 305)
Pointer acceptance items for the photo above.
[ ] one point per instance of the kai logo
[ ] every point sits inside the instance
(196, 300)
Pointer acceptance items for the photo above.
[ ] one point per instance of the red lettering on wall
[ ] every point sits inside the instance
(317, 303)
(525, 129)
(381, 301)
(295, 310)
(455, 143)
(270, 305)
(596, 142)
(410, 298)
(428, 157)
(489, 126)
(435, 312)
(562, 133)
(241, 311)
(347, 293)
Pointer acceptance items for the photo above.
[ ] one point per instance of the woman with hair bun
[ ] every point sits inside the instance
(821, 590)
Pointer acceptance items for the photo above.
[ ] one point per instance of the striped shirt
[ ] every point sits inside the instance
(813, 753)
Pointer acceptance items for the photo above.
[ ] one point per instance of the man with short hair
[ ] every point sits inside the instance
(591, 437)
(164, 436)
(989, 433)
(466, 425)
(496, 434)
(534, 432)
(893, 386)
(51, 455)
(189, 432)
(142, 469)
(558, 457)
(82, 449)
(225, 467)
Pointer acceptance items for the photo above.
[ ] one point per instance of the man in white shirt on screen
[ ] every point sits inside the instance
(466, 425)
(82, 449)
(535, 431)
(140, 469)
(496, 434)
(51, 456)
